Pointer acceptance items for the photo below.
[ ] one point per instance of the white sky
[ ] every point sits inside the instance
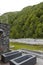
(15, 5)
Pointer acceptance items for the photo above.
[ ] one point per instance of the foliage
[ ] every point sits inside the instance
(27, 23)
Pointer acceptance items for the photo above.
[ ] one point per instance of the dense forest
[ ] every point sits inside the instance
(27, 23)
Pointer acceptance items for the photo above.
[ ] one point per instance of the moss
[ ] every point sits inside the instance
(26, 46)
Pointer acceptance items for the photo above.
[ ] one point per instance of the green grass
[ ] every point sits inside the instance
(26, 46)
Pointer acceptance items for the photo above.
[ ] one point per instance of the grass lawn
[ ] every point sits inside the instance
(26, 46)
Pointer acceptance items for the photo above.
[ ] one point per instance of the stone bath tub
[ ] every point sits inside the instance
(24, 60)
(10, 55)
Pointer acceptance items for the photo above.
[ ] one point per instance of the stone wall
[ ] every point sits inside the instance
(4, 37)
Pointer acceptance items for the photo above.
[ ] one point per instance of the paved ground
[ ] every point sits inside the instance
(39, 61)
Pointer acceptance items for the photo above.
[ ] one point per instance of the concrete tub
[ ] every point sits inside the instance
(10, 55)
(24, 60)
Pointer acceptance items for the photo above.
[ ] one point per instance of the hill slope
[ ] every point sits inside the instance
(27, 23)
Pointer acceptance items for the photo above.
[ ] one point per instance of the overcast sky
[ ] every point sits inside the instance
(15, 5)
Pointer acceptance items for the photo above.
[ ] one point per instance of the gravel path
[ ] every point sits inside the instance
(27, 41)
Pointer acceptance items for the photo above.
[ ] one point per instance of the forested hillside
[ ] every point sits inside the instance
(27, 23)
